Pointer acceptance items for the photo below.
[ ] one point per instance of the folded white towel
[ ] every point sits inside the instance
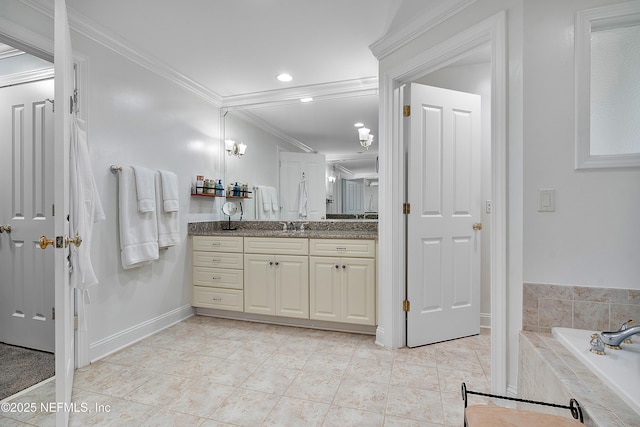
(168, 221)
(266, 197)
(145, 189)
(138, 230)
(275, 206)
(303, 199)
(169, 193)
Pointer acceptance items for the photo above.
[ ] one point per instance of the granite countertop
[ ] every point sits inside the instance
(313, 229)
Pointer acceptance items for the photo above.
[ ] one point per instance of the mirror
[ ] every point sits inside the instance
(229, 209)
(607, 78)
(324, 126)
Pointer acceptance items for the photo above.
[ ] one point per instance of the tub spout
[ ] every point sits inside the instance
(615, 338)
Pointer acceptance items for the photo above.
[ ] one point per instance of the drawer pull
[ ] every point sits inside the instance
(216, 260)
(216, 278)
(217, 299)
(215, 243)
(341, 249)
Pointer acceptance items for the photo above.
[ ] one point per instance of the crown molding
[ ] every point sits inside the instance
(389, 43)
(319, 92)
(87, 27)
(267, 127)
(336, 158)
(27, 76)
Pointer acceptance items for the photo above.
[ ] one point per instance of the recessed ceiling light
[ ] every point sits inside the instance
(358, 125)
(284, 77)
(307, 99)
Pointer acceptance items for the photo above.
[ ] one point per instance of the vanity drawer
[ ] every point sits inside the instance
(343, 247)
(218, 277)
(224, 299)
(217, 243)
(217, 259)
(276, 245)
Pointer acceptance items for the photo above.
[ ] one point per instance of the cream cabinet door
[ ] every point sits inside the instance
(358, 290)
(292, 285)
(343, 290)
(259, 284)
(325, 288)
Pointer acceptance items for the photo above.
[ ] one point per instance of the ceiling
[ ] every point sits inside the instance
(235, 49)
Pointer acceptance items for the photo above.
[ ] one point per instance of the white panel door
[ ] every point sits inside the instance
(26, 282)
(443, 272)
(294, 168)
(65, 343)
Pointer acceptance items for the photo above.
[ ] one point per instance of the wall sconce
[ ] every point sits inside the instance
(233, 148)
(365, 137)
(331, 178)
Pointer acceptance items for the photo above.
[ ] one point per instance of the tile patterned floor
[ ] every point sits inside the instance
(211, 372)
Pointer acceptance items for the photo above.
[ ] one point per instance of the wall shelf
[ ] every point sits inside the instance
(215, 195)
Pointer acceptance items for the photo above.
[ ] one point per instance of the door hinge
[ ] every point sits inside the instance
(406, 305)
(53, 210)
(406, 208)
(53, 313)
(75, 323)
(406, 111)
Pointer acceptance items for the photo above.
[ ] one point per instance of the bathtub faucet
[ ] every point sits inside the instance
(615, 338)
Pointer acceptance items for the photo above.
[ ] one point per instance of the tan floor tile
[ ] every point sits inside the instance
(367, 396)
(316, 386)
(347, 417)
(415, 376)
(297, 412)
(416, 404)
(200, 398)
(246, 408)
(372, 370)
(160, 390)
(270, 379)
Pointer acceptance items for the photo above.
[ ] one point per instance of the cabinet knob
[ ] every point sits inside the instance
(344, 266)
(270, 262)
(337, 266)
(277, 263)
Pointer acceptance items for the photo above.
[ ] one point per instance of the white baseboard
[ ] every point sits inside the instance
(512, 391)
(115, 342)
(485, 320)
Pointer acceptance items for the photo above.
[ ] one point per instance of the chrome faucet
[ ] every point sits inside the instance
(615, 338)
(292, 226)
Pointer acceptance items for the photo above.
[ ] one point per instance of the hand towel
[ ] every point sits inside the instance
(303, 199)
(168, 221)
(266, 198)
(145, 189)
(86, 208)
(260, 212)
(275, 206)
(138, 230)
(169, 191)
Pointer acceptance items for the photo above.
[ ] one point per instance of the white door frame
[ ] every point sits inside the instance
(391, 284)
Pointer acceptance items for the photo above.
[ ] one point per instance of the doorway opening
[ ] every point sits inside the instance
(27, 328)
(392, 328)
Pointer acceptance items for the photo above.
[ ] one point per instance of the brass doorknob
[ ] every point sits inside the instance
(77, 241)
(4, 228)
(477, 226)
(44, 242)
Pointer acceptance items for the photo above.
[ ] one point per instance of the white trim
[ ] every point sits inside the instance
(332, 158)
(26, 40)
(122, 339)
(606, 17)
(414, 29)
(319, 92)
(485, 320)
(26, 76)
(392, 162)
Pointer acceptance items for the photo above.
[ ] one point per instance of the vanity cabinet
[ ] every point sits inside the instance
(276, 276)
(218, 280)
(342, 281)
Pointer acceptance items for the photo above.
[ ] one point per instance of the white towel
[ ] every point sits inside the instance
(145, 189)
(275, 206)
(266, 197)
(303, 199)
(86, 208)
(168, 221)
(260, 212)
(138, 230)
(169, 193)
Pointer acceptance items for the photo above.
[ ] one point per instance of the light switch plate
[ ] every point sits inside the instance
(546, 200)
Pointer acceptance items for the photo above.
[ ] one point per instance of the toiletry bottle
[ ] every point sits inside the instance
(219, 188)
(236, 190)
(199, 184)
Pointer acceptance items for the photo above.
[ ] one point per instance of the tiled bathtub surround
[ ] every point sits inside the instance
(548, 372)
(579, 307)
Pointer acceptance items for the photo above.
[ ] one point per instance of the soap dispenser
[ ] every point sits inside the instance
(236, 190)
(219, 188)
